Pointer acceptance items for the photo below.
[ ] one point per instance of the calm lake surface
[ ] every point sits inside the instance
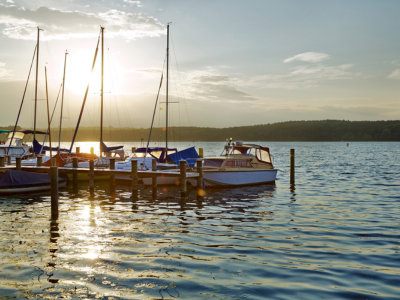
(335, 235)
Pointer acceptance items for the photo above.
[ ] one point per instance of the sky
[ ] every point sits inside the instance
(232, 63)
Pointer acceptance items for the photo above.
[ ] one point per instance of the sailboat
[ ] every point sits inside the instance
(101, 161)
(15, 147)
(167, 159)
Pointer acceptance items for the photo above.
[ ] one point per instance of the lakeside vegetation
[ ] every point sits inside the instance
(326, 130)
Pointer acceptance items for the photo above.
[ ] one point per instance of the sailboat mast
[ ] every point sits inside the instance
(101, 91)
(166, 111)
(62, 102)
(36, 82)
(48, 113)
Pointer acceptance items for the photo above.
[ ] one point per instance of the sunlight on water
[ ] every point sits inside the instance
(334, 235)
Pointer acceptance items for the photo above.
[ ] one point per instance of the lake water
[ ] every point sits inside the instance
(335, 235)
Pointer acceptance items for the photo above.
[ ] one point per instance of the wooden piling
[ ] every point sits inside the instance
(133, 149)
(53, 162)
(75, 165)
(154, 178)
(18, 163)
(39, 161)
(54, 192)
(292, 166)
(91, 172)
(8, 160)
(112, 167)
(199, 170)
(134, 176)
(2, 161)
(182, 167)
(201, 154)
(91, 150)
(78, 150)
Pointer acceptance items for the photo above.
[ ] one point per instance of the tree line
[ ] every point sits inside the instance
(325, 130)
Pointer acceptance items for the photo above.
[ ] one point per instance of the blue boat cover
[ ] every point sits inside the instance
(104, 148)
(189, 154)
(37, 147)
(22, 178)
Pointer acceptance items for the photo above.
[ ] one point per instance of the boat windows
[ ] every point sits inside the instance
(156, 154)
(263, 156)
(139, 154)
(213, 163)
(171, 152)
(237, 163)
(17, 139)
(241, 150)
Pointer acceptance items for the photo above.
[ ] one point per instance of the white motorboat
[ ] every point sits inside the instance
(240, 164)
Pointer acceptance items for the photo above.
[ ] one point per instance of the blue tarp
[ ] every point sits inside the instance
(104, 148)
(189, 154)
(37, 147)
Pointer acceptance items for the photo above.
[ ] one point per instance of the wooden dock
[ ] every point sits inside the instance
(101, 172)
(134, 174)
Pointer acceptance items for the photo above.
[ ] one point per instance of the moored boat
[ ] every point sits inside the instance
(14, 182)
(240, 164)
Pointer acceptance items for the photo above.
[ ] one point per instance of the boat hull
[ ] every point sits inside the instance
(29, 189)
(237, 178)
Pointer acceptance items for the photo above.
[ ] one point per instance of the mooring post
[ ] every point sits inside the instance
(91, 150)
(75, 166)
(2, 161)
(91, 173)
(112, 167)
(54, 192)
(78, 150)
(18, 163)
(39, 161)
(134, 176)
(9, 160)
(53, 162)
(182, 167)
(133, 149)
(201, 154)
(199, 170)
(154, 178)
(291, 166)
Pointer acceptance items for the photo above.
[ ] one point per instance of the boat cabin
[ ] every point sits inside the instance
(239, 156)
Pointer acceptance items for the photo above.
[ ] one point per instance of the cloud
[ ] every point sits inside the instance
(213, 78)
(207, 91)
(4, 73)
(395, 74)
(308, 57)
(303, 76)
(21, 24)
(137, 3)
(9, 1)
(147, 73)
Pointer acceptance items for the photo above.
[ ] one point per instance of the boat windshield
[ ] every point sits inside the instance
(263, 155)
(242, 151)
(18, 136)
(140, 154)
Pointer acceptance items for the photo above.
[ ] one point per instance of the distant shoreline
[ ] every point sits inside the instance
(292, 131)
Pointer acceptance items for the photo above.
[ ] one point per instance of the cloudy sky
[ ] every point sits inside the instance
(232, 63)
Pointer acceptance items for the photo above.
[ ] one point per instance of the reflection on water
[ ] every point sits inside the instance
(332, 235)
